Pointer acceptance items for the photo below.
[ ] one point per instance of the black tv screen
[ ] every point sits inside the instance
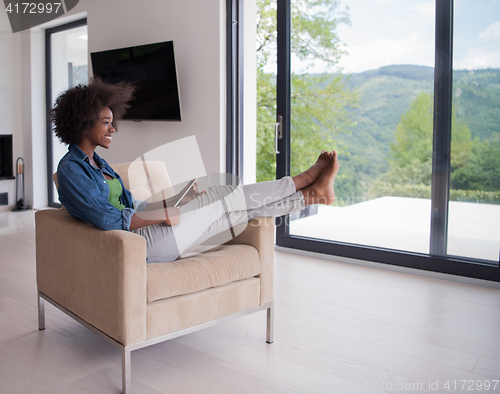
(152, 69)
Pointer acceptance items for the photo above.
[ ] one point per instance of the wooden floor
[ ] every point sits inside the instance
(339, 329)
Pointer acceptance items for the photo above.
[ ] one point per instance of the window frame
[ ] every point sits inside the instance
(49, 100)
(234, 86)
(437, 260)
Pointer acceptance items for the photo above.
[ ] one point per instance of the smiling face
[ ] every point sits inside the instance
(101, 133)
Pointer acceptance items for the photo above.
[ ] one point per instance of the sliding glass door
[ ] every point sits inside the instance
(418, 183)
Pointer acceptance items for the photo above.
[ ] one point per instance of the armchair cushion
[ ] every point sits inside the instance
(177, 313)
(229, 263)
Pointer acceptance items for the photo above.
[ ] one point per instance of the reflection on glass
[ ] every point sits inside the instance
(474, 209)
(69, 64)
(362, 84)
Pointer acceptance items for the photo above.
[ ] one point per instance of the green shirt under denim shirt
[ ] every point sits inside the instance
(115, 191)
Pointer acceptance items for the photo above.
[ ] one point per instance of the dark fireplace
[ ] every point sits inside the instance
(6, 163)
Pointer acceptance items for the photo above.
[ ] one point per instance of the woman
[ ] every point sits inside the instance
(85, 118)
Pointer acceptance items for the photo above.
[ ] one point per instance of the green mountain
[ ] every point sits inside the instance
(385, 95)
(476, 95)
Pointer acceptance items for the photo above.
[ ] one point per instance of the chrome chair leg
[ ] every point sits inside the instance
(126, 371)
(41, 313)
(270, 324)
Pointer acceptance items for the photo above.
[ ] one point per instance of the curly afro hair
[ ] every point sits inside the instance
(76, 111)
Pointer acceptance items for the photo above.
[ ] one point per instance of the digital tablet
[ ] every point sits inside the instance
(186, 191)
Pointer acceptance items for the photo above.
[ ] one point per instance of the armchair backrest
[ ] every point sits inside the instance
(144, 179)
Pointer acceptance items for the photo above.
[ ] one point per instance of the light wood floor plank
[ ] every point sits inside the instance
(16, 259)
(360, 360)
(388, 341)
(94, 347)
(371, 353)
(488, 367)
(243, 381)
(182, 357)
(465, 330)
(18, 274)
(18, 291)
(28, 295)
(144, 361)
(11, 329)
(167, 379)
(394, 280)
(14, 222)
(353, 302)
(268, 365)
(22, 375)
(54, 357)
(109, 381)
(426, 335)
(5, 390)
(321, 356)
(417, 294)
(435, 304)
(57, 324)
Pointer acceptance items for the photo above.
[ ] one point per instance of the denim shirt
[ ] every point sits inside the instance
(84, 191)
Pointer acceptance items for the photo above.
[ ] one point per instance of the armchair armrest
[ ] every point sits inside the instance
(259, 233)
(98, 275)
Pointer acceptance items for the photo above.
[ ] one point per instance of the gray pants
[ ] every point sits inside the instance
(216, 211)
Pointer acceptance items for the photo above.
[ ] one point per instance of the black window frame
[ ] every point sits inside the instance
(234, 84)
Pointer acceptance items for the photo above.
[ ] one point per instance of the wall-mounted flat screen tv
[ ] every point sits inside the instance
(152, 69)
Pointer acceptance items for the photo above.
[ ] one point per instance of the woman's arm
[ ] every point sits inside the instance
(169, 216)
(168, 202)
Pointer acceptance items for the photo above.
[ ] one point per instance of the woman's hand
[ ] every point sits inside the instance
(171, 201)
(191, 194)
(172, 216)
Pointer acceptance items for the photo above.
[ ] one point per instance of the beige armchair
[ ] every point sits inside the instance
(101, 279)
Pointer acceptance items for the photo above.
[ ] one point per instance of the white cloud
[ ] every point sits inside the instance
(477, 58)
(483, 52)
(383, 52)
(491, 34)
(428, 10)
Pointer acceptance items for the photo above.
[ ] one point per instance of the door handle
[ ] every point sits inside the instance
(278, 133)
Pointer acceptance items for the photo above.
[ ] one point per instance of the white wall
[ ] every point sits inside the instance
(197, 28)
(11, 112)
(34, 129)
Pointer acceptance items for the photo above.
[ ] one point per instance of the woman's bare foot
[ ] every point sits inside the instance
(322, 191)
(312, 174)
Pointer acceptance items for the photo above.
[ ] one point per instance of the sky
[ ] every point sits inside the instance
(385, 32)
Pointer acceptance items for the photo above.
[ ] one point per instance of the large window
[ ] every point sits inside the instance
(66, 67)
(417, 132)
(363, 85)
